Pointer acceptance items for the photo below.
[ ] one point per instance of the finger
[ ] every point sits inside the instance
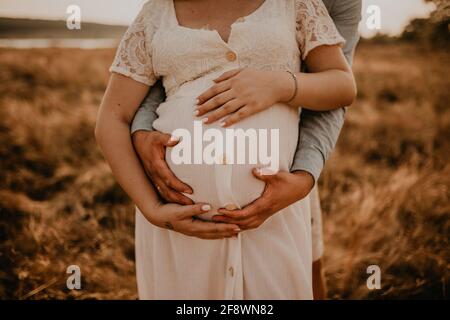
(250, 224)
(221, 218)
(245, 224)
(214, 102)
(200, 226)
(235, 215)
(237, 116)
(212, 92)
(227, 75)
(256, 207)
(162, 191)
(176, 197)
(215, 236)
(193, 210)
(264, 174)
(169, 140)
(231, 107)
(162, 172)
(171, 195)
(207, 230)
(212, 236)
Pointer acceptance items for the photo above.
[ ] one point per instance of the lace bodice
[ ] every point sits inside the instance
(277, 35)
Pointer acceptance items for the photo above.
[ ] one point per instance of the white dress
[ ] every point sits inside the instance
(273, 261)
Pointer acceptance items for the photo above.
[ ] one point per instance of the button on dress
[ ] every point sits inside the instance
(270, 262)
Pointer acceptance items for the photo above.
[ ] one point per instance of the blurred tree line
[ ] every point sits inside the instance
(433, 31)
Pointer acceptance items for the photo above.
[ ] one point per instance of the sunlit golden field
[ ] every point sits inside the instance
(385, 191)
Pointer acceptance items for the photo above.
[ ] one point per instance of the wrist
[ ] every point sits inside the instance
(151, 212)
(138, 136)
(285, 86)
(307, 179)
(142, 139)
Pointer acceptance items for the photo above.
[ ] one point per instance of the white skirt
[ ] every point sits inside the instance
(271, 262)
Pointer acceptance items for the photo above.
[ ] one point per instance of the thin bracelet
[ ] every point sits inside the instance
(294, 77)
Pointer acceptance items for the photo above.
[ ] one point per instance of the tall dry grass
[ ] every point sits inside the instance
(385, 191)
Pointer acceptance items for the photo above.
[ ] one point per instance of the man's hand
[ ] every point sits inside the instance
(151, 149)
(282, 189)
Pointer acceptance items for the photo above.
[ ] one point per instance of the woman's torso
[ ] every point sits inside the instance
(189, 59)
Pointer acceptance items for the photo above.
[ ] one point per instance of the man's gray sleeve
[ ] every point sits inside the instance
(319, 131)
(146, 113)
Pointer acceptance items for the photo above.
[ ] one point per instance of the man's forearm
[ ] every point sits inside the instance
(319, 131)
(146, 114)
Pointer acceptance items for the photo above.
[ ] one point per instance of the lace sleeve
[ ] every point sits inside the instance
(314, 26)
(133, 58)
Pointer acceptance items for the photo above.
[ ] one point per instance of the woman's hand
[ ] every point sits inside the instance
(282, 189)
(182, 219)
(242, 92)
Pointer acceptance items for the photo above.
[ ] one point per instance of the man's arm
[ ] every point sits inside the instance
(319, 131)
(150, 146)
(146, 113)
(318, 134)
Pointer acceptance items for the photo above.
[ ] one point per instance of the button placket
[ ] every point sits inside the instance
(231, 271)
(233, 275)
(223, 172)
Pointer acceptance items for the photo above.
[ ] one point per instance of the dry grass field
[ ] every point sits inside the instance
(385, 191)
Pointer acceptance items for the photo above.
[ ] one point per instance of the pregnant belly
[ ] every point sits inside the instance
(219, 172)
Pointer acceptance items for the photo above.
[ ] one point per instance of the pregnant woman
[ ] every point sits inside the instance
(179, 255)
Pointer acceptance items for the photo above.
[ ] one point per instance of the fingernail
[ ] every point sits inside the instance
(196, 112)
(197, 101)
(187, 191)
(174, 139)
(267, 172)
(223, 124)
(237, 230)
(205, 120)
(206, 207)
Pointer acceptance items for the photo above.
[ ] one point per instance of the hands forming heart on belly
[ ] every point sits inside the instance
(281, 189)
(236, 95)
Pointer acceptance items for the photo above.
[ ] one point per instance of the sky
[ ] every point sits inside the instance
(395, 14)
